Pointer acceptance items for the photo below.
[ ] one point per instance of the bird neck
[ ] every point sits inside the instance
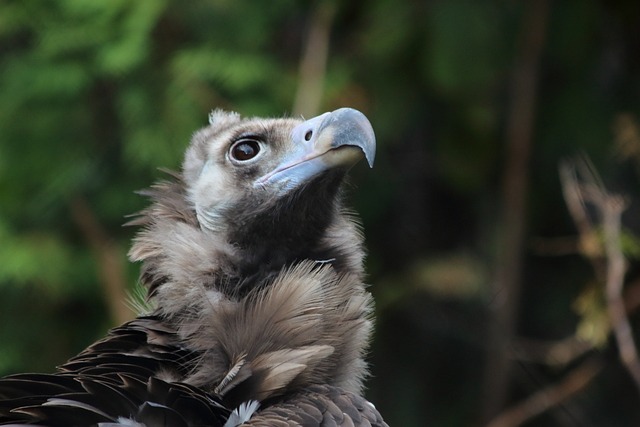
(265, 313)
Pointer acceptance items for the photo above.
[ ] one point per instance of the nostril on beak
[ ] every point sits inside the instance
(308, 135)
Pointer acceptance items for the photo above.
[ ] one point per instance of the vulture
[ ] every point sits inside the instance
(253, 270)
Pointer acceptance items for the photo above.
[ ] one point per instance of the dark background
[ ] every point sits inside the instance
(481, 285)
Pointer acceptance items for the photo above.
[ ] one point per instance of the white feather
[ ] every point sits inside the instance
(242, 413)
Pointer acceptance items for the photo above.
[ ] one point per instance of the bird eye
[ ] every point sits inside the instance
(245, 149)
(308, 135)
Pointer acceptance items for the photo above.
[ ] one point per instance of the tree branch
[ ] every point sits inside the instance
(549, 397)
(582, 186)
(508, 266)
(611, 209)
(313, 64)
(551, 353)
(588, 241)
(109, 257)
(609, 263)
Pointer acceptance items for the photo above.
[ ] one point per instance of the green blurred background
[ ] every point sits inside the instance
(473, 257)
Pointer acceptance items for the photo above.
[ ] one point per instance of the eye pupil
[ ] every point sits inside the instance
(245, 150)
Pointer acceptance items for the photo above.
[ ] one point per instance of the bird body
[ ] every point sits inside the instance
(254, 271)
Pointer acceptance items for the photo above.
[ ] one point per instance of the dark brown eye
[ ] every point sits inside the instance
(245, 149)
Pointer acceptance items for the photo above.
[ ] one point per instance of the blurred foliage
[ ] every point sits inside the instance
(95, 95)
(594, 326)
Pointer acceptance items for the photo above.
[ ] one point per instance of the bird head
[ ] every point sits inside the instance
(241, 166)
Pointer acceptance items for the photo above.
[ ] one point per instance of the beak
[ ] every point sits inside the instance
(338, 139)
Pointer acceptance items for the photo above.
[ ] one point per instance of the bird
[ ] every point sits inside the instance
(259, 314)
